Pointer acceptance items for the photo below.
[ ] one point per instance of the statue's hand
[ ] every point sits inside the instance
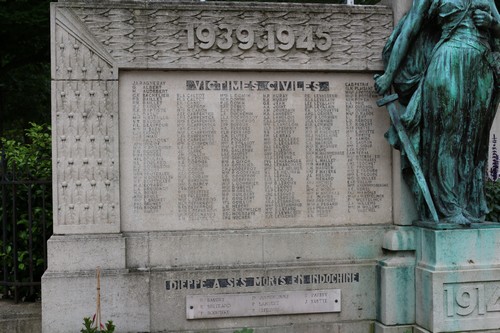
(382, 83)
(482, 19)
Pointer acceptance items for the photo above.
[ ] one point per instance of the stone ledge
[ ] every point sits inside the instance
(301, 246)
(458, 249)
(106, 251)
(401, 239)
(381, 328)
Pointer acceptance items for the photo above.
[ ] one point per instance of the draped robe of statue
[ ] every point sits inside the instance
(448, 88)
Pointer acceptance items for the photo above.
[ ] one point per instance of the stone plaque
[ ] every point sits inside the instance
(208, 150)
(262, 304)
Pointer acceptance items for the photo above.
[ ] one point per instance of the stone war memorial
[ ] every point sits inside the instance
(228, 165)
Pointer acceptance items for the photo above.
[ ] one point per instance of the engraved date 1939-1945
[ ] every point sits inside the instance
(282, 37)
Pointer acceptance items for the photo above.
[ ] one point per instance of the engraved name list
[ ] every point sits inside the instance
(251, 150)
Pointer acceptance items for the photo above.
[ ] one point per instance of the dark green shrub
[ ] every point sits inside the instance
(26, 207)
(493, 199)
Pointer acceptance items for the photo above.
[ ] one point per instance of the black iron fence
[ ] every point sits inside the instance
(26, 217)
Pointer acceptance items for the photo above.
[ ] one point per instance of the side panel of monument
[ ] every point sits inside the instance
(223, 164)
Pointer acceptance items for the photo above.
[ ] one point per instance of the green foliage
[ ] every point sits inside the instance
(89, 326)
(30, 159)
(244, 330)
(493, 199)
(26, 173)
(24, 63)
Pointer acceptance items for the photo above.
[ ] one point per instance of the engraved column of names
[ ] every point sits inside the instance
(322, 150)
(138, 185)
(239, 173)
(310, 156)
(350, 150)
(196, 130)
(226, 155)
(362, 172)
(150, 148)
(286, 165)
(268, 157)
(366, 172)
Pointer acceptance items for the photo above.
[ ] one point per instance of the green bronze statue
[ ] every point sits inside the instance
(442, 61)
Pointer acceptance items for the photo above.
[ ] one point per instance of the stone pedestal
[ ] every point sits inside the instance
(458, 279)
(396, 276)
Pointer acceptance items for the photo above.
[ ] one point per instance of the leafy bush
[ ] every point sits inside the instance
(31, 159)
(26, 204)
(493, 199)
(90, 326)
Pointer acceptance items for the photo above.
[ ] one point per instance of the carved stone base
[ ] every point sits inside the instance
(458, 279)
(147, 278)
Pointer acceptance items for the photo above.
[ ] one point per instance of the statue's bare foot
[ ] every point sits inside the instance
(458, 219)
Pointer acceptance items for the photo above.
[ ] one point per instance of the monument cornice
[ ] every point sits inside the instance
(235, 36)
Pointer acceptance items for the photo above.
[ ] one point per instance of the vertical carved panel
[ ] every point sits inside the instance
(85, 132)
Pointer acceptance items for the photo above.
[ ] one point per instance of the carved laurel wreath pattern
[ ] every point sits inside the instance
(158, 36)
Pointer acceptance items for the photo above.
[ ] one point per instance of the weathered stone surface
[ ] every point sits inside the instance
(85, 252)
(153, 259)
(238, 36)
(355, 282)
(154, 301)
(201, 150)
(91, 42)
(71, 296)
(100, 51)
(463, 248)
(253, 247)
(458, 277)
(401, 239)
(84, 130)
(396, 291)
(380, 328)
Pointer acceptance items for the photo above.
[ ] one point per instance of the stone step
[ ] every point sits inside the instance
(21, 317)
